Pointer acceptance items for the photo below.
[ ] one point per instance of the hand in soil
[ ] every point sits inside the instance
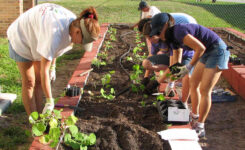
(179, 70)
(145, 81)
(151, 86)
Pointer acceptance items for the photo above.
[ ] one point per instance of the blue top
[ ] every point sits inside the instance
(160, 46)
(183, 18)
(203, 34)
(179, 18)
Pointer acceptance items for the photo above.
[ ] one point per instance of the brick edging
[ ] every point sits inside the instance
(80, 81)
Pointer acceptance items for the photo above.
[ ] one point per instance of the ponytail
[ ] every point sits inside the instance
(90, 17)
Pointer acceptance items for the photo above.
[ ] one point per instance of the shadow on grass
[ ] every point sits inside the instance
(233, 14)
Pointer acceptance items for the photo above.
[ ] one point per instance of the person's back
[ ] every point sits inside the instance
(38, 23)
(183, 18)
(153, 10)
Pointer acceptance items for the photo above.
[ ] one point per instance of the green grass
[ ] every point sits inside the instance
(219, 14)
(12, 136)
(10, 77)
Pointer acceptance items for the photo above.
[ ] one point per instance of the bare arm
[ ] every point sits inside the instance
(196, 45)
(45, 81)
(177, 56)
(53, 61)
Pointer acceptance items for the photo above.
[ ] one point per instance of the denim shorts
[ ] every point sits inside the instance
(186, 61)
(161, 59)
(15, 56)
(217, 55)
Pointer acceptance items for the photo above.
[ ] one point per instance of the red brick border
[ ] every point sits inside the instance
(235, 73)
(84, 65)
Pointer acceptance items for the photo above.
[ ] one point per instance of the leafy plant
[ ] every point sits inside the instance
(103, 55)
(142, 103)
(129, 58)
(50, 128)
(113, 37)
(106, 79)
(233, 56)
(160, 97)
(78, 140)
(108, 45)
(109, 96)
(98, 62)
(141, 44)
(136, 49)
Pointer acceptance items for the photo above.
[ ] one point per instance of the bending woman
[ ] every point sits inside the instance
(210, 58)
(40, 35)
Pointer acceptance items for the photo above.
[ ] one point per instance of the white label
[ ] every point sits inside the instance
(175, 114)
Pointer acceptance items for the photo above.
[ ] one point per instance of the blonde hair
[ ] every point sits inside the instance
(91, 22)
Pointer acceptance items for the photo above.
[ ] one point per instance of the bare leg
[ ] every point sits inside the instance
(28, 82)
(148, 65)
(194, 86)
(38, 87)
(185, 89)
(209, 79)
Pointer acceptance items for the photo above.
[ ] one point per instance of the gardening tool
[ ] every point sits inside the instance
(69, 106)
(86, 72)
(156, 94)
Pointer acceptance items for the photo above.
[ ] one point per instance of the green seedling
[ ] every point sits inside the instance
(50, 129)
(153, 78)
(103, 55)
(98, 63)
(106, 79)
(233, 56)
(161, 72)
(108, 45)
(134, 88)
(78, 140)
(136, 49)
(112, 37)
(142, 103)
(109, 96)
(168, 75)
(129, 58)
(112, 31)
(160, 97)
(141, 44)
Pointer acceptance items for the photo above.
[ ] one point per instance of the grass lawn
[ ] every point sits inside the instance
(220, 14)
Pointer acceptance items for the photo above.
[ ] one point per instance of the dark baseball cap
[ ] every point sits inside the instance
(157, 23)
(142, 5)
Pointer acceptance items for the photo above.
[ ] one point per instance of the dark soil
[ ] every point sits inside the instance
(124, 124)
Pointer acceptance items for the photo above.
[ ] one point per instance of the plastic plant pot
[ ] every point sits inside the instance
(237, 61)
(72, 91)
(162, 107)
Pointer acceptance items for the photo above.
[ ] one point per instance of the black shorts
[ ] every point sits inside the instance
(161, 59)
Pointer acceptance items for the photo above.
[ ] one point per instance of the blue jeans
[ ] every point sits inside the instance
(15, 56)
(217, 55)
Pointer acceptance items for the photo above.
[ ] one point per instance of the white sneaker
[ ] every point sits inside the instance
(200, 132)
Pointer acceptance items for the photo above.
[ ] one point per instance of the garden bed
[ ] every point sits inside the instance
(131, 121)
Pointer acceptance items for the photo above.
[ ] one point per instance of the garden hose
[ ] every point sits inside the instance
(121, 65)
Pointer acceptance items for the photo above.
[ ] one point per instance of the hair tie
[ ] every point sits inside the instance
(91, 16)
